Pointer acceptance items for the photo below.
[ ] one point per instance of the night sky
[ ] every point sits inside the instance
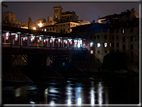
(85, 11)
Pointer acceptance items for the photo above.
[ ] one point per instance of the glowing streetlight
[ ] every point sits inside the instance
(40, 24)
(34, 28)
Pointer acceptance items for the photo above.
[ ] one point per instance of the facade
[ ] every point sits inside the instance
(105, 38)
(63, 22)
(125, 16)
(9, 18)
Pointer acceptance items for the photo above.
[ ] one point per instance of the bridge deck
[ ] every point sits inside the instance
(41, 50)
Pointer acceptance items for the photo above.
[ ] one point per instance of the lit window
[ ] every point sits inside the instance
(110, 44)
(91, 44)
(56, 17)
(105, 44)
(123, 31)
(98, 45)
(91, 52)
(45, 30)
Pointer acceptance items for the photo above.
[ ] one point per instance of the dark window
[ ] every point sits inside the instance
(61, 25)
(116, 36)
(53, 28)
(50, 29)
(131, 38)
(98, 51)
(117, 30)
(68, 24)
(131, 46)
(105, 51)
(112, 44)
(68, 29)
(123, 46)
(98, 36)
(98, 60)
(132, 61)
(113, 50)
(117, 50)
(123, 39)
(117, 45)
(112, 37)
(94, 37)
(105, 36)
(131, 29)
(132, 54)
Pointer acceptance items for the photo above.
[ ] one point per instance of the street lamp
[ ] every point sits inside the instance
(40, 24)
(34, 28)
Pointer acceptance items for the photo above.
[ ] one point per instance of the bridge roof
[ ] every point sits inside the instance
(37, 32)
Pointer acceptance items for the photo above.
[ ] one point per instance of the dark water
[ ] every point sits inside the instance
(90, 90)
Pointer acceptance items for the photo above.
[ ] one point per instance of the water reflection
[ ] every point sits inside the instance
(52, 103)
(18, 92)
(78, 95)
(100, 92)
(92, 94)
(69, 93)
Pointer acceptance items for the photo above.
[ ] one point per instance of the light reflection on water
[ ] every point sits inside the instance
(92, 94)
(100, 88)
(70, 92)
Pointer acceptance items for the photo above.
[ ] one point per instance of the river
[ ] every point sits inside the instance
(95, 89)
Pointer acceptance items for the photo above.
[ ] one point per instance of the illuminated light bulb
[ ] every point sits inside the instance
(40, 24)
(34, 28)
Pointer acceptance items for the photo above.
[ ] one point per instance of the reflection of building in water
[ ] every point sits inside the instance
(46, 95)
(100, 93)
(92, 94)
(69, 94)
(78, 95)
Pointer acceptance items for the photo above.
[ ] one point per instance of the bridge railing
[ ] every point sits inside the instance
(42, 47)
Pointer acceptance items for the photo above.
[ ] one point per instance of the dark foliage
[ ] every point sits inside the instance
(114, 61)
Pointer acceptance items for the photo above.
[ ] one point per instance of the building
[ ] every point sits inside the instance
(125, 16)
(63, 22)
(106, 37)
(9, 19)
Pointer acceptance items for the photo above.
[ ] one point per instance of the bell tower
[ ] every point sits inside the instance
(57, 11)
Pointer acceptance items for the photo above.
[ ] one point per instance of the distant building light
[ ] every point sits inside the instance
(40, 24)
(91, 52)
(98, 45)
(42, 29)
(12, 33)
(91, 44)
(34, 28)
(105, 44)
(78, 45)
(45, 30)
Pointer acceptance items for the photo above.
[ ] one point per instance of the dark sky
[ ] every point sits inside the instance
(85, 11)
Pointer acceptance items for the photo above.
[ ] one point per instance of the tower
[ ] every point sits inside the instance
(57, 11)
